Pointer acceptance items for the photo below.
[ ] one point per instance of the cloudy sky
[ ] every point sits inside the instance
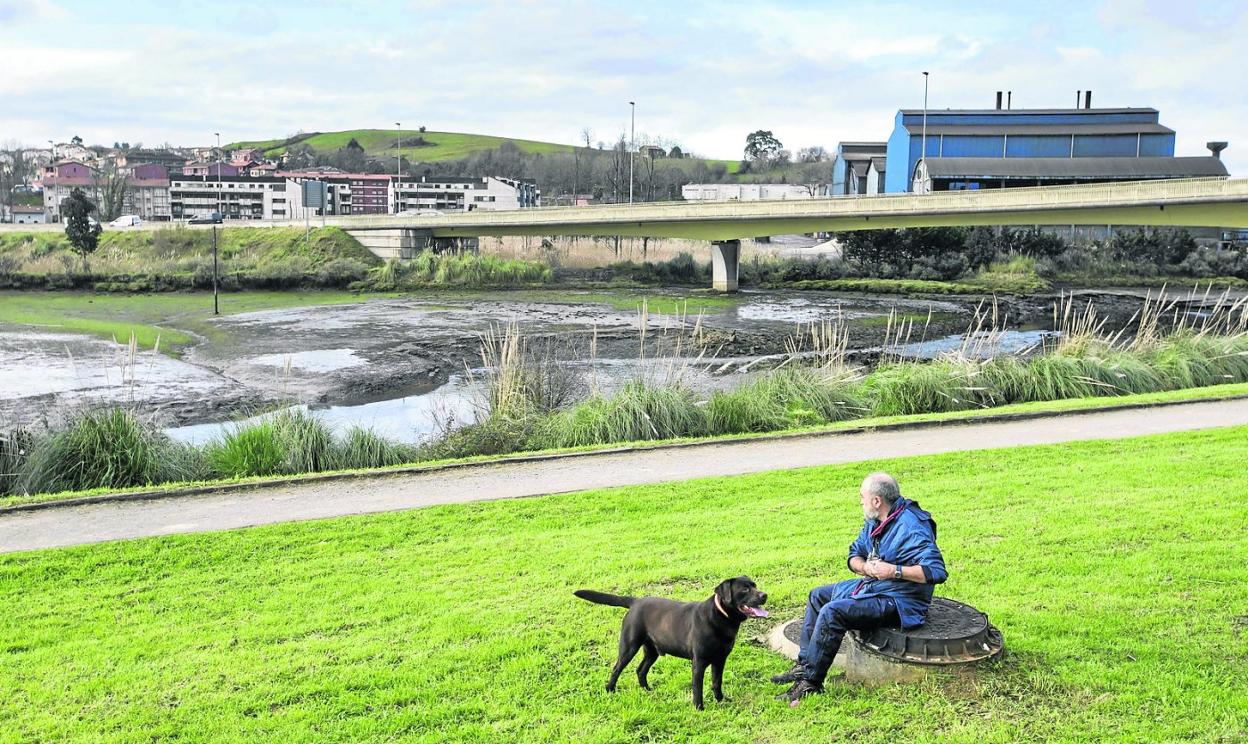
(703, 73)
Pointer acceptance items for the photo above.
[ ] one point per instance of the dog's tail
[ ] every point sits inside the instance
(589, 595)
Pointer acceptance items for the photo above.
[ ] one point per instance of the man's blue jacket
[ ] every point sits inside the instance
(908, 539)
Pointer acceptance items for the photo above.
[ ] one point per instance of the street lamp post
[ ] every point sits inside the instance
(923, 155)
(216, 307)
(56, 207)
(632, 145)
(398, 163)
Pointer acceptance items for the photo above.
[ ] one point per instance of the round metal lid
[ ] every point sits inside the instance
(954, 633)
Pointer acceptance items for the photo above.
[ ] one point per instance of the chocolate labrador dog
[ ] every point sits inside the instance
(703, 632)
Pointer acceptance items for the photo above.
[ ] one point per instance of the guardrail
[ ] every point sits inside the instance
(1119, 194)
(1132, 193)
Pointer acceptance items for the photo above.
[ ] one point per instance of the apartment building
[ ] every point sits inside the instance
(750, 191)
(448, 194)
(147, 189)
(236, 197)
(349, 193)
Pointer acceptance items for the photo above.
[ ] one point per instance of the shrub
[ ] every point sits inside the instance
(782, 399)
(638, 411)
(903, 388)
(253, 449)
(364, 448)
(15, 446)
(495, 435)
(106, 448)
(340, 272)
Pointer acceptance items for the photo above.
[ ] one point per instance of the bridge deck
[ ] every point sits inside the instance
(1197, 202)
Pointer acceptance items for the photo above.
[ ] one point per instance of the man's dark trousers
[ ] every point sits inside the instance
(827, 619)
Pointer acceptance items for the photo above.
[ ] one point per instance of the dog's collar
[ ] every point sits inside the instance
(720, 607)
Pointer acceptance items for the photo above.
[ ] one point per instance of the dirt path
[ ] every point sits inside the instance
(73, 525)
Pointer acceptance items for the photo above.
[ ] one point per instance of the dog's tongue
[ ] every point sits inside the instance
(754, 611)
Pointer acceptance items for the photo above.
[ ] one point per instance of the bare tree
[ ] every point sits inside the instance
(617, 174)
(646, 174)
(815, 154)
(111, 188)
(13, 171)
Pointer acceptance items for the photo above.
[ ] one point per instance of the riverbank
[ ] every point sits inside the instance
(1016, 412)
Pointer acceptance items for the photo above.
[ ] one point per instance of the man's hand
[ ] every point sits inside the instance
(878, 569)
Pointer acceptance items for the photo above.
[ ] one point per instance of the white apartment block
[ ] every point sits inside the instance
(236, 197)
(489, 193)
(750, 191)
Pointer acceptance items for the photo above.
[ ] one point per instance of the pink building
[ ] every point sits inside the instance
(210, 169)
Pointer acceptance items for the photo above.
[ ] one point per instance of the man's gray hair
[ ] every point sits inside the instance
(882, 485)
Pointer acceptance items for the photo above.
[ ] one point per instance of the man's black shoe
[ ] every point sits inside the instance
(799, 690)
(796, 672)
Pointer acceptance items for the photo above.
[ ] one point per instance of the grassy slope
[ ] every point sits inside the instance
(380, 142)
(457, 623)
(153, 246)
(444, 145)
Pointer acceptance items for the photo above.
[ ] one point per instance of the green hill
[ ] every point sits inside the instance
(380, 142)
(442, 146)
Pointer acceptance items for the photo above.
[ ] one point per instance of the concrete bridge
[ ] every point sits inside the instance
(1202, 202)
(1198, 202)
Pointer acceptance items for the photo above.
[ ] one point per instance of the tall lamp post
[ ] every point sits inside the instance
(52, 163)
(923, 155)
(398, 163)
(216, 307)
(632, 145)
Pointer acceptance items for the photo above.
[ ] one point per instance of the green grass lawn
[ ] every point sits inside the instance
(175, 317)
(1113, 569)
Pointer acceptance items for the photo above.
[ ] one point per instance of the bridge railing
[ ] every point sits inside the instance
(1015, 199)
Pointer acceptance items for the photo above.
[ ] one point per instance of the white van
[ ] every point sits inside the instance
(127, 220)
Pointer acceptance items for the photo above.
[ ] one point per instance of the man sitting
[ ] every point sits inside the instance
(896, 552)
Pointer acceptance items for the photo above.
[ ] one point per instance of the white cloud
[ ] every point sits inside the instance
(18, 12)
(704, 74)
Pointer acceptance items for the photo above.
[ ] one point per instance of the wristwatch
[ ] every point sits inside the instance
(897, 571)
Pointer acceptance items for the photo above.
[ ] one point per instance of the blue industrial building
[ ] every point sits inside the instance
(858, 168)
(996, 148)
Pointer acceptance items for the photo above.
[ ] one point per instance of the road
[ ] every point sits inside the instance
(91, 523)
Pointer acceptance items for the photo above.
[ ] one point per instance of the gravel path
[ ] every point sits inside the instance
(74, 525)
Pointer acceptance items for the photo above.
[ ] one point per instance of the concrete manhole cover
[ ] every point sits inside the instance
(954, 634)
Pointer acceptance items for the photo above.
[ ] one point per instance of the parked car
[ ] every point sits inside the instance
(212, 218)
(127, 220)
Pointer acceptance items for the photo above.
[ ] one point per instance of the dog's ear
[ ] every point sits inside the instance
(724, 592)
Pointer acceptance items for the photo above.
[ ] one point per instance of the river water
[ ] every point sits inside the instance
(405, 366)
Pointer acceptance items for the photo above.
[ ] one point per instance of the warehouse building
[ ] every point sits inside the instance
(994, 148)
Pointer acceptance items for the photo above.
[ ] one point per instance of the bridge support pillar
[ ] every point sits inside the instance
(725, 260)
